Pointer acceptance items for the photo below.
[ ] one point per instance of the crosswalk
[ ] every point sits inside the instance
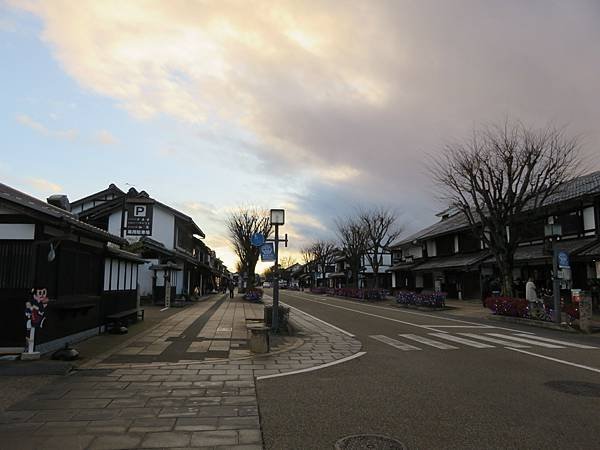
(455, 341)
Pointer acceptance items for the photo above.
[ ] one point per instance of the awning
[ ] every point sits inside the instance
(591, 251)
(464, 262)
(122, 254)
(167, 266)
(336, 275)
(403, 266)
(540, 253)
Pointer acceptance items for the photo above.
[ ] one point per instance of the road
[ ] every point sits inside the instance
(432, 380)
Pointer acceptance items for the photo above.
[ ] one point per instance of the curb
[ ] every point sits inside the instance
(424, 308)
(534, 323)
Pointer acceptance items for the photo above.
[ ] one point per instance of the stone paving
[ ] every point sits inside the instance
(171, 402)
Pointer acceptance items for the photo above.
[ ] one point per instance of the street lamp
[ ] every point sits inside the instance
(553, 231)
(277, 218)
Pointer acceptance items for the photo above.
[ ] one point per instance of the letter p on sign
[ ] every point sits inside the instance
(139, 211)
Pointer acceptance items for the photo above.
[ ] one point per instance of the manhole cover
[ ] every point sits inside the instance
(368, 442)
(580, 388)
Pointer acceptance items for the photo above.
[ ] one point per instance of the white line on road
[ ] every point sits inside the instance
(394, 343)
(427, 341)
(556, 341)
(494, 340)
(581, 366)
(525, 341)
(319, 320)
(460, 340)
(459, 326)
(310, 369)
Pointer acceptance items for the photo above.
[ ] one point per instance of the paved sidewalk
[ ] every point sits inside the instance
(138, 397)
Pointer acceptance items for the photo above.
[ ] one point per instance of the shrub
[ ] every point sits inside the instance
(361, 294)
(253, 295)
(430, 300)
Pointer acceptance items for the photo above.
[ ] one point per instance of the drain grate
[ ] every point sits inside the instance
(369, 442)
(580, 388)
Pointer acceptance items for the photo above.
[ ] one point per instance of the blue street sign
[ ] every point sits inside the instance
(257, 239)
(267, 252)
(563, 260)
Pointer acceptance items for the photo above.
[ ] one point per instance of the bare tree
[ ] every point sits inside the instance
(320, 255)
(242, 224)
(287, 261)
(352, 235)
(499, 176)
(381, 229)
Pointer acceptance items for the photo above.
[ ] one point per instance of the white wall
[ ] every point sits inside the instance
(589, 222)
(163, 226)
(431, 250)
(416, 251)
(114, 223)
(145, 277)
(17, 231)
(127, 275)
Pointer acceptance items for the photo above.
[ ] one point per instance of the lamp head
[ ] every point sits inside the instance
(277, 217)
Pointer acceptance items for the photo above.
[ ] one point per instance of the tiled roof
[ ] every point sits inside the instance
(131, 196)
(403, 266)
(21, 199)
(456, 222)
(453, 262)
(578, 187)
(584, 185)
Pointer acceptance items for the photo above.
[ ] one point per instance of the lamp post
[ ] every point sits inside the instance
(554, 231)
(277, 218)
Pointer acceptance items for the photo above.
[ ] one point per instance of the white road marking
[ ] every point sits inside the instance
(460, 340)
(310, 369)
(525, 341)
(494, 340)
(394, 343)
(319, 320)
(427, 341)
(403, 311)
(560, 361)
(556, 341)
(459, 326)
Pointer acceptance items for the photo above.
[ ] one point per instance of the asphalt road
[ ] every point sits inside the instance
(429, 397)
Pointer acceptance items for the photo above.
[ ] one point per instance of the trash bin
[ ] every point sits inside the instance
(258, 335)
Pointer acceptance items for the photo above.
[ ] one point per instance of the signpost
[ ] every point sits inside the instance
(257, 239)
(267, 252)
(139, 219)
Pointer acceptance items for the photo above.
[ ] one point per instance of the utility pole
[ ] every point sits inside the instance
(275, 319)
(277, 218)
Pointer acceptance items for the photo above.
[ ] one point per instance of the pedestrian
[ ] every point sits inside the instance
(231, 289)
(531, 294)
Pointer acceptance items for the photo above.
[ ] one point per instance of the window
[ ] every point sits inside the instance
(571, 223)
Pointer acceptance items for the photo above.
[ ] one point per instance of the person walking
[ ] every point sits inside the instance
(231, 289)
(531, 295)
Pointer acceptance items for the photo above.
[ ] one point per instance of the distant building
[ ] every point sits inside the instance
(168, 239)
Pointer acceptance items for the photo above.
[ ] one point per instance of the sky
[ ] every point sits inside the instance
(318, 107)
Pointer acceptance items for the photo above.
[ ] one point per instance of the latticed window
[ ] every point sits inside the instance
(16, 264)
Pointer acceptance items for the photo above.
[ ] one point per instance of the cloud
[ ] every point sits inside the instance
(43, 185)
(105, 137)
(346, 96)
(24, 119)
